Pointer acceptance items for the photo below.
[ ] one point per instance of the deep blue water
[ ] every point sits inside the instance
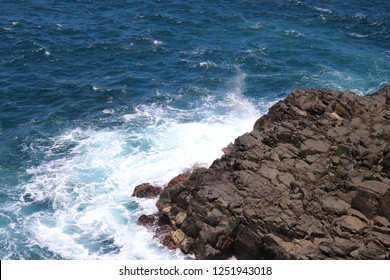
(99, 96)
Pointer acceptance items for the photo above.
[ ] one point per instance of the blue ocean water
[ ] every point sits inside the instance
(99, 96)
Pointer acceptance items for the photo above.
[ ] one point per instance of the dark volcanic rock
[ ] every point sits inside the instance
(311, 181)
(146, 190)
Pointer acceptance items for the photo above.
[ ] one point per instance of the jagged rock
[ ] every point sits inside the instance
(164, 234)
(334, 205)
(146, 190)
(311, 181)
(374, 251)
(183, 241)
(168, 241)
(248, 244)
(228, 149)
(179, 179)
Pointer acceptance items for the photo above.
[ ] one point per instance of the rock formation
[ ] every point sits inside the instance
(311, 181)
(146, 190)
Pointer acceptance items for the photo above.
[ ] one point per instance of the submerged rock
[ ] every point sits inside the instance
(311, 181)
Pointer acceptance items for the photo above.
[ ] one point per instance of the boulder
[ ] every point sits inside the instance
(146, 190)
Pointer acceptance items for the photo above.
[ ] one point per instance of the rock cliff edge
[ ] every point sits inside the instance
(311, 181)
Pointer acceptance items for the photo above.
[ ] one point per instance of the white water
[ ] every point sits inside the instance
(87, 189)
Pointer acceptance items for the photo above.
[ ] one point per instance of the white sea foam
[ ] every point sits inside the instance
(46, 52)
(293, 33)
(359, 16)
(108, 111)
(257, 25)
(356, 35)
(207, 64)
(328, 11)
(91, 214)
(157, 43)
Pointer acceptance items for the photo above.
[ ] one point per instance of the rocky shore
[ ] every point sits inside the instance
(311, 181)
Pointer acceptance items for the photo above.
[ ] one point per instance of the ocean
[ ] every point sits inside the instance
(97, 97)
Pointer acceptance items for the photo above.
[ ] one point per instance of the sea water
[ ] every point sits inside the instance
(99, 96)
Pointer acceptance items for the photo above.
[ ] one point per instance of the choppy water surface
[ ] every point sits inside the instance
(99, 96)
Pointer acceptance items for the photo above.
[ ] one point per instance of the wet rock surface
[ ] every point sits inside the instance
(311, 181)
(146, 190)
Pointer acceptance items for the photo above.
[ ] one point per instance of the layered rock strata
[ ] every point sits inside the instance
(311, 181)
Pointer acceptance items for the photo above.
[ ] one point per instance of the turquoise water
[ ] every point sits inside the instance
(99, 96)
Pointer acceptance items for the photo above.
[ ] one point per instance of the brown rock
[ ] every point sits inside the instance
(352, 224)
(179, 179)
(382, 221)
(336, 206)
(367, 202)
(315, 146)
(311, 181)
(374, 251)
(228, 149)
(384, 208)
(345, 244)
(375, 186)
(146, 190)
(168, 241)
(183, 241)
(147, 220)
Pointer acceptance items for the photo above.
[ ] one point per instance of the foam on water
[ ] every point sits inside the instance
(358, 35)
(99, 97)
(324, 10)
(207, 64)
(84, 187)
(293, 33)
